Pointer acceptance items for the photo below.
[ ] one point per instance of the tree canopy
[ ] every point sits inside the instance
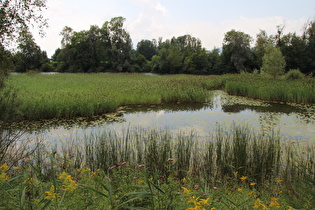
(109, 48)
(273, 62)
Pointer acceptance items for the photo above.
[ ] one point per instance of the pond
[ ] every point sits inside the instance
(293, 122)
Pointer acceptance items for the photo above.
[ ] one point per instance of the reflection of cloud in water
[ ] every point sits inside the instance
(160, 113)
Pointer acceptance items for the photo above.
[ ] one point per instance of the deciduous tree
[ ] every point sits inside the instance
(273, 62)
(236, 51)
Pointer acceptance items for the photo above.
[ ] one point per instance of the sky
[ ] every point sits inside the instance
(207, 20)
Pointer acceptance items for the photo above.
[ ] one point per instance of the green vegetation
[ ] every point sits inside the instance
(153, 169)
(73, 95)
(294, 74)
(273, 62)
(280, 90)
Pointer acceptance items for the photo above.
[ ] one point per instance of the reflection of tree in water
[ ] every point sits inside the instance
(269, 121)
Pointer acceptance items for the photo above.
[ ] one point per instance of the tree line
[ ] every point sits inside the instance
(109, 49)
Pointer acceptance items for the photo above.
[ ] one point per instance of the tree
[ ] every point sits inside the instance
(236, 52)
(17, 16)
(66, 34)
(309, 37)
(273, 62)
(120, 44)
(262, 41)
(294, 50)
(214, 61)
(29, 56)
(146, 48)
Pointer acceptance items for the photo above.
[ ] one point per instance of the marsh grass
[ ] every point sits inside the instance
(72, 95)
(259, 87)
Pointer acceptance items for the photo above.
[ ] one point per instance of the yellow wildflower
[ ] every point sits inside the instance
(279, 181)
(29, 181)
(274, 202)
(82, 170)
(184, 180)
(67, 183)
(250, 193)
(243, 178)
(258, 203)
(4, 176)
(140, 182)
(4, 167)
(204, 201)
(3, 170)
(193, 200)
(239, 189)
(51, 194)
(252, 184)
(186, 191)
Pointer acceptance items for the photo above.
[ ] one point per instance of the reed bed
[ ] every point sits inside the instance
(280, 90)
(73, 95)
(153, 169)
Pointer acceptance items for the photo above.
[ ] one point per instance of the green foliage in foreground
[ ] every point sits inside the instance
(149, 169)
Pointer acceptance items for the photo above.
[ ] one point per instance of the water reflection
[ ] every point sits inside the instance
(293, 122)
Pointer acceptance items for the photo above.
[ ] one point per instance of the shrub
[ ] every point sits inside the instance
(47, 67)
(294, 74)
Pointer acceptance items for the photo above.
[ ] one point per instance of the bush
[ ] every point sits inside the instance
(47, 67)
(294, 74)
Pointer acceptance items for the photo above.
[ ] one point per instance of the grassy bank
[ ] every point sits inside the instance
(280, 90)
(72, 95)
(152, 169)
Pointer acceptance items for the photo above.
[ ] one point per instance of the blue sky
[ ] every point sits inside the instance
(207, 20)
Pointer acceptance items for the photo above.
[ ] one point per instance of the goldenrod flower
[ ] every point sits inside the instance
(4, 167)
(186, 191)
(29, 181)
(204, 201)
(51, 194)
(258, 203)
(184, 180)
(193, 200)
(82, 170)
(3, 170)
(274, 202)
(4, 176)
(67, 183)
(250, 193)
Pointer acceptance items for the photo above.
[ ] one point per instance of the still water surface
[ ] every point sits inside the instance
(294, 123)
